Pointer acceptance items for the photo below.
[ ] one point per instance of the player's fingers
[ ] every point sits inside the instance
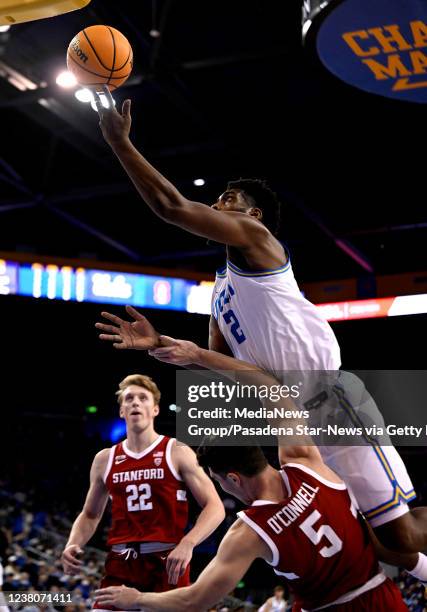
(110, 337)
(109, 97)
(108, 328)
(134, 313)
(113, 318)
(120, 345)
(126, 109)
(98, 103)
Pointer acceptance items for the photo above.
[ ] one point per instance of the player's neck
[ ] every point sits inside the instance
(137, 442)
(268, 486)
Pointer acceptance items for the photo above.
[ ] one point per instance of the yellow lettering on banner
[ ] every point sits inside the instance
(394, 36)
(394, 69)
(419, 33)
(419, 62)
(350, 37)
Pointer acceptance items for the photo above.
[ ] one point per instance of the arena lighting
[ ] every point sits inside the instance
(66, 79)
(4, 28)
(84, 95)
(91, 409)
(199, 182)
(379, 46)
(104, 102)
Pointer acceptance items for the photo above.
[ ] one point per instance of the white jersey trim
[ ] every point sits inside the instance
(289, 576)
(109, 462)
(373, 583)
(264, 536)
(333, 485)
(169, 459)
(144, 452)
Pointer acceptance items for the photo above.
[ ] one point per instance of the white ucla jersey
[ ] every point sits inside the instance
(266, 321)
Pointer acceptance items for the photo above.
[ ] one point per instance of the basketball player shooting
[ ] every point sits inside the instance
(147, 477)
(283, 333)
(300, 520)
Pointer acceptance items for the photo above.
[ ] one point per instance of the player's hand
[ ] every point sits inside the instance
(177, 561)
(121, 597)
(115, 126)
(70, 562)
(138, 334)
(179, 352)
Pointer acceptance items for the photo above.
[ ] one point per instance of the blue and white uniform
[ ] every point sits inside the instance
(267, 321)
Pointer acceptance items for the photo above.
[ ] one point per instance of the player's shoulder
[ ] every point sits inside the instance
(101, 458)
(240, 537)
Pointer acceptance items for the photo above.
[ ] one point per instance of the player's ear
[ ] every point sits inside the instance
(256, 212)
(121, 412)
(233, 478)
(156, 410)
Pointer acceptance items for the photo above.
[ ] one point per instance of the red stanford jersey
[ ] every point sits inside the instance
(149, 499)
(317, 542)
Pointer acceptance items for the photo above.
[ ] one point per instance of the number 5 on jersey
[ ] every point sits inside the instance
(138, 498)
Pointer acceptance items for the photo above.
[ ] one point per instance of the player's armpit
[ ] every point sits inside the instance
(226, 227)
(217, 341)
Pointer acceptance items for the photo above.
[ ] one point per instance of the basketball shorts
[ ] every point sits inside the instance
(373, 469)
(145, 572)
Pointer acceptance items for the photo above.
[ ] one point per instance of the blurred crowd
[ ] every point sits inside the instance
(31, 542)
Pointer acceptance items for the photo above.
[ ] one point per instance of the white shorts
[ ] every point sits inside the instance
(373, 471)
(377, 478)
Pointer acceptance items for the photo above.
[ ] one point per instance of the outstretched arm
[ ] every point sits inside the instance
(203, 490)
(240, 547)
(164, 199)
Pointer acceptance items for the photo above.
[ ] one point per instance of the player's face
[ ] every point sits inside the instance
(232, 199)
(138, 407)
(230, 485)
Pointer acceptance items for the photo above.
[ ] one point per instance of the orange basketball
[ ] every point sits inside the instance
(100, 55)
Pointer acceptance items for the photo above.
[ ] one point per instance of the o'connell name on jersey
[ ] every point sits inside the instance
(148, 498)
(316, 540)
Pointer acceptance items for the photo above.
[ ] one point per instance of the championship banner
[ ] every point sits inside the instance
(379, 46)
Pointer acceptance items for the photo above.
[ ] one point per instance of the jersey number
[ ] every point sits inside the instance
(230, 317)
(322, 531)
(138, 498)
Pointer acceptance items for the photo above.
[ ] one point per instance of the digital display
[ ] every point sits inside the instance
(80, 284)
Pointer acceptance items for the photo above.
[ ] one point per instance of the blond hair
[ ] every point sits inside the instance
(142, 381)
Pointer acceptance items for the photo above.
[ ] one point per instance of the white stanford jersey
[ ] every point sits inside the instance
(266, 321)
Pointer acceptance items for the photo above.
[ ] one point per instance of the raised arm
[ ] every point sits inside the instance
(88, 520)
(240, 547)
(164, 199)
(203, 490)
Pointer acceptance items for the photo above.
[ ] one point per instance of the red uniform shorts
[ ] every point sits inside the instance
(146, 572)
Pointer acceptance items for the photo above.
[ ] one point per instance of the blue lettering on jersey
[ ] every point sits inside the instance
(223, 299)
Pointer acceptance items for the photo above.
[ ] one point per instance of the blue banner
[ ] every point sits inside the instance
(379, 46)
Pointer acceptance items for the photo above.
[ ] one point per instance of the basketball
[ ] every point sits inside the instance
(100, 55)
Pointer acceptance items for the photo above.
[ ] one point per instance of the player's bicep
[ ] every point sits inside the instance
(97, 495)
(234, 557)
(200, 485)
(232, 228)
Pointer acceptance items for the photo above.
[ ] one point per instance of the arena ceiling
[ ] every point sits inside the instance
(226, 91)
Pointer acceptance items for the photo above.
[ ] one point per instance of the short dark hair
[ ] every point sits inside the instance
(264, 198)
(247, 460)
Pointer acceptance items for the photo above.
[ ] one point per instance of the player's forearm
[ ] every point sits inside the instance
(160, 195)
(82, 530)
(208, 520)
(185, 599)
